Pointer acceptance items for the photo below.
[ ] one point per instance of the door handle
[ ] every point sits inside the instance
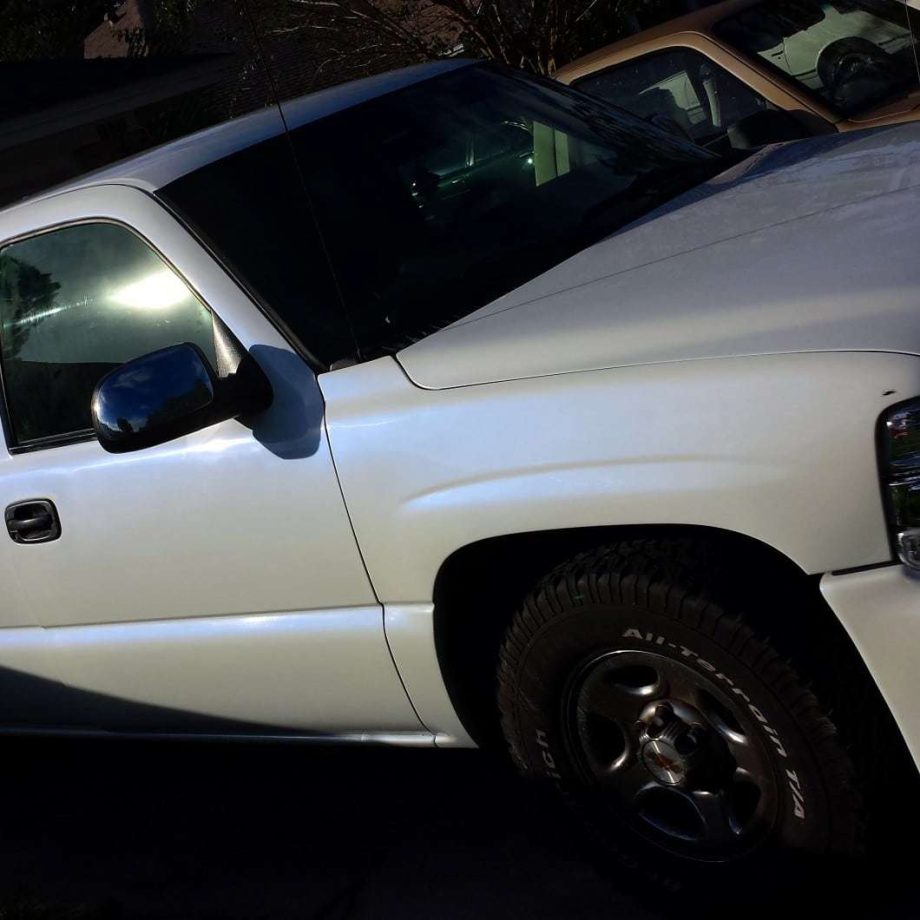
(33, 521)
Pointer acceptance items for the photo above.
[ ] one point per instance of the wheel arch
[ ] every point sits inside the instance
(479, 587)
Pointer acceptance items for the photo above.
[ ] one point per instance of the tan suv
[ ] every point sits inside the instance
(748, 72)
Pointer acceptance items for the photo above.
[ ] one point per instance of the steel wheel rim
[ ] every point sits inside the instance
(695, 779)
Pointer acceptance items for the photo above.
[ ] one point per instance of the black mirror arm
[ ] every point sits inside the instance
(241, 382)
(246, 389)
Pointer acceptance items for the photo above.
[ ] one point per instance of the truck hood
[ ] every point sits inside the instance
(809, 246)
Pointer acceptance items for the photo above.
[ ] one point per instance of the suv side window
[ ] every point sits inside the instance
(680, 88)
(74, 304)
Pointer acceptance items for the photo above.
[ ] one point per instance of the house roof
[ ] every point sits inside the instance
(110, 39)
(155, 168)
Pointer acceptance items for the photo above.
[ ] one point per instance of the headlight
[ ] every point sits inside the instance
(900, 459)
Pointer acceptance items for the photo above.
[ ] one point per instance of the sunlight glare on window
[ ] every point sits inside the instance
(158, 291)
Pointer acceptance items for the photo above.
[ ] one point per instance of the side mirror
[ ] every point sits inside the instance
(170, 393)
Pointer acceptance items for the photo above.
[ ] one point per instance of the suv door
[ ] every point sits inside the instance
(210, 583)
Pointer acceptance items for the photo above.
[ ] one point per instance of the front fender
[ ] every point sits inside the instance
(780, 448)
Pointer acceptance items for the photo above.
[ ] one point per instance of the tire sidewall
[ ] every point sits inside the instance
(539, 734)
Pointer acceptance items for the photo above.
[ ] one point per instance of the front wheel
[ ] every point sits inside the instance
(683, 737)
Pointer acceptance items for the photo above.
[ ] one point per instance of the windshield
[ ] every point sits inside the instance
(439, 198)
(851, 54)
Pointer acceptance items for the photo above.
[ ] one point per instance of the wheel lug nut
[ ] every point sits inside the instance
(689, 741)
(686, 744)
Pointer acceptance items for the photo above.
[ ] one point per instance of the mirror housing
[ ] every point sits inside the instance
(171, 393)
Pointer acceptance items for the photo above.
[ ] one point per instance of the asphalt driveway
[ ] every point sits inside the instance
(94, 830)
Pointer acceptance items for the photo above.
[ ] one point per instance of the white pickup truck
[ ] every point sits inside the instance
(455, 404)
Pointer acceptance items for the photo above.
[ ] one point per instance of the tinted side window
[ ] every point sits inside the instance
(74, 304)
(251, 210)
(689, 91)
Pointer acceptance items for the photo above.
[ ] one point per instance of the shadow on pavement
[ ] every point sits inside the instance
(118, 829)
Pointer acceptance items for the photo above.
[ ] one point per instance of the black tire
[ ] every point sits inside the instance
(623, 674)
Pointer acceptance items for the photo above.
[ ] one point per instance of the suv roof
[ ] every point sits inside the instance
(159, 166)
